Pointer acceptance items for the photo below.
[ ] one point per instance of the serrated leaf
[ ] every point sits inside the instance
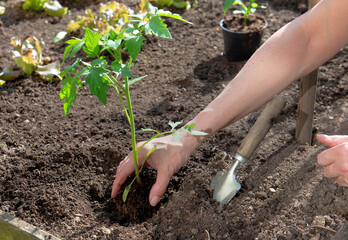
(174, 124)
(98, 63)
(157, 27)
(71, 67)
(164, 13)
(98, 83)
(74, 46)
(68, 92)
(84, 71)
(122, 69)
(133, 45)
(59, 36)
(91, 47)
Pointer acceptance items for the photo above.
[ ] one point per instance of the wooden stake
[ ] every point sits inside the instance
(305, 109)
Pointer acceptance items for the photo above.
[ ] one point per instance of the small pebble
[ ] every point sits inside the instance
(194, 231)
(272, 190)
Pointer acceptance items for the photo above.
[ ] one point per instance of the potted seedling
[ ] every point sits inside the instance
(242, 31)
(101, 74)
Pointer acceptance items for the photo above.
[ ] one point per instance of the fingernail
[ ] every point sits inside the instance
(322, 135)
(154, 200)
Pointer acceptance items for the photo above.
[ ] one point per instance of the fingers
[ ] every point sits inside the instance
(335, 162)
(124, 169)
(342, 181)
(159, 188)
(326, 157)
(332, 141)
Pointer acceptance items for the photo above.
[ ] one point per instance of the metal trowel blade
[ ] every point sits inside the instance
(225, 187)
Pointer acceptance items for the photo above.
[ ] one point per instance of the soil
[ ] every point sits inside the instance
(56, 173)
(254, 23)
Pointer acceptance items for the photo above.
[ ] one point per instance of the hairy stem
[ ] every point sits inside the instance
(132, 126)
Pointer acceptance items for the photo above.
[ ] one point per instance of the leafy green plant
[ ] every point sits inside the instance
(111, 16)
(244, 9)
(51, 7)
(28, 57)
(101, 74)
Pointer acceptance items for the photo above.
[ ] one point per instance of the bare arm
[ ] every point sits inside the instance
(292, 52)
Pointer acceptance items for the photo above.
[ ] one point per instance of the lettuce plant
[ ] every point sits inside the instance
(111, 16)
(51, 7)
(100, 74)
(2, 10)
(244, 9)
(28, 57)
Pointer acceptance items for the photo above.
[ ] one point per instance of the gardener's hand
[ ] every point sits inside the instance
(167, 159)
(335, 159)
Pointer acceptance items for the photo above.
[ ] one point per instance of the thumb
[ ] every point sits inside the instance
(159, 188)
(332, 141)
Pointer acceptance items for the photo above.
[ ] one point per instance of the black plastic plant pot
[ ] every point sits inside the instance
(239, 46)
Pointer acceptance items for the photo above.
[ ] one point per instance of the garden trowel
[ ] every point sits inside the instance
(225, 184)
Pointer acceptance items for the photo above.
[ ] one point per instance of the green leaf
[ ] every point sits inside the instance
(91, 43)
(74, 46)
(68, 92)
(189, 129)
(229, 3)
(99, 63)
(174, 124)
(2, 82)
(164, 13)
(98, 83)
(71, 67)
(136, 80)
(126, 192)
(133, 45)
(36, 5)
(157, 27)
(60, 36)
(122, 69)
(84, 71)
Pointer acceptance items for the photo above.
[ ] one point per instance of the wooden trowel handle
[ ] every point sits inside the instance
(261, 127)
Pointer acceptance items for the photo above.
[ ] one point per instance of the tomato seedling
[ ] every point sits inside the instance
(101, 74)
(244, 9)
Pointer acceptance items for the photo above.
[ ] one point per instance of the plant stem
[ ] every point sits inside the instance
(132, 126)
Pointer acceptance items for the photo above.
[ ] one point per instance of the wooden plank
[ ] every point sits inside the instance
(305, 109)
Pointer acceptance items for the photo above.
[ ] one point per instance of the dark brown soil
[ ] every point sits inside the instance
(254, 23)
(57, 172)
